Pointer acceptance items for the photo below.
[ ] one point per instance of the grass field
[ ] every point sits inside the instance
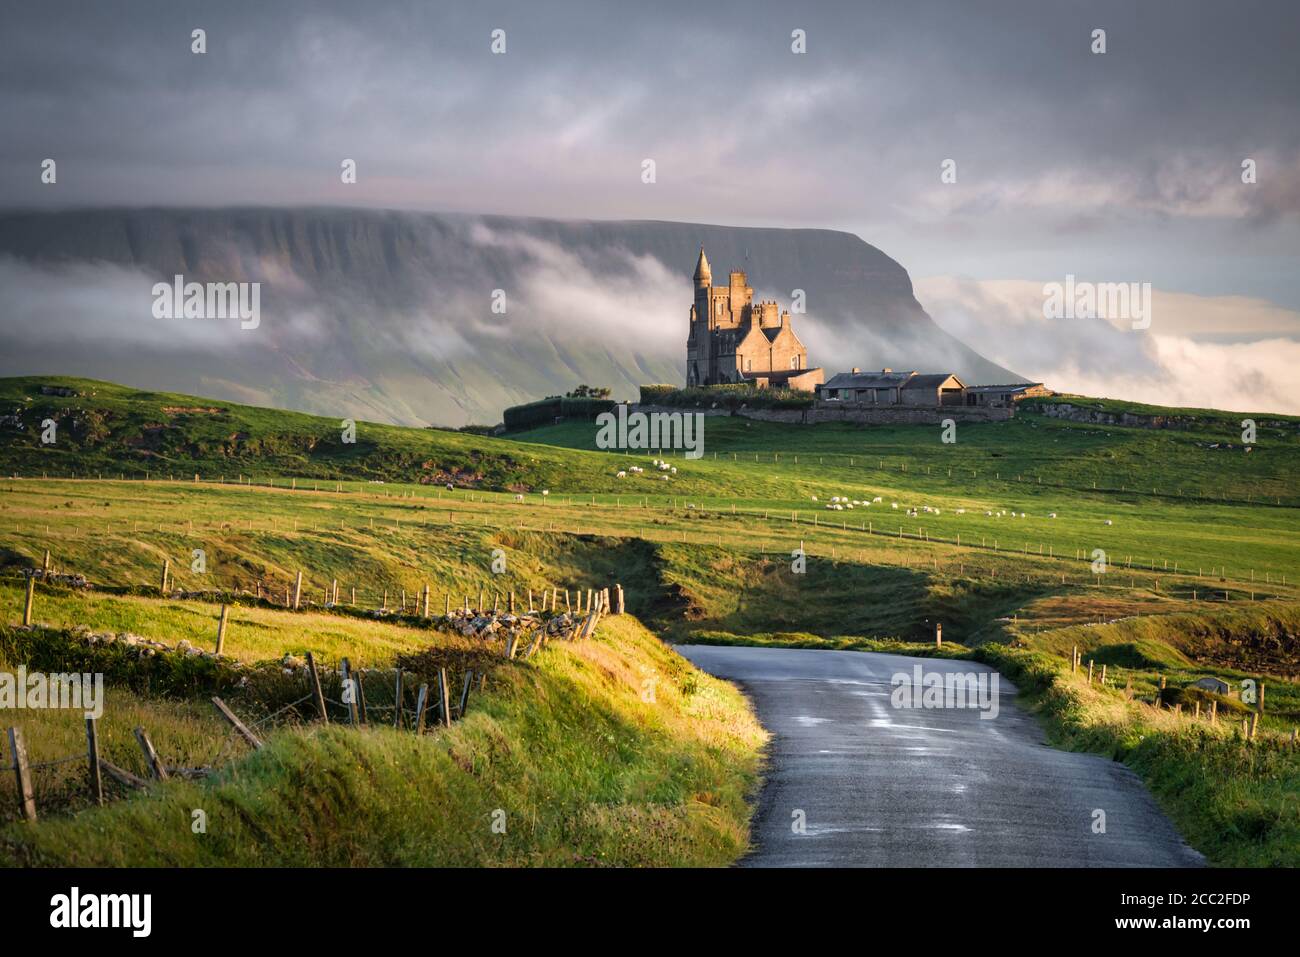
(1201, 556)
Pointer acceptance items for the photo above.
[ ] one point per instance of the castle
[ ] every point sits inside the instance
(732, 339)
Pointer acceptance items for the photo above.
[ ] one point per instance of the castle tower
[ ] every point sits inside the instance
(703, 274)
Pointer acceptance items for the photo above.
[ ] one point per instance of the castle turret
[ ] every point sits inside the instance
(703, 274)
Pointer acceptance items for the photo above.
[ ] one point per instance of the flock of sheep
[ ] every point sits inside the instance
(658, 464)
(840, 503)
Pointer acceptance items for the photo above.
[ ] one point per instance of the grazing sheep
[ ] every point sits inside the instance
(620, 475)
(814, 498)
(893, 505)
(1051, 515)
(1109, 522)
(877, 499)
(674, 470)
(519, 498)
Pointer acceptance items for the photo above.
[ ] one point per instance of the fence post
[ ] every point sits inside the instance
(361, 696)
(238, 725)
(30, 601)
(26, 797)
(445, 696)
(315, 688)
(938, 634)
(426, 600)
(166, 569)
(150, 755)
(297, 592)
(346, 669)
(221, 628)
(421, 702)
(397, 693)
(464, 693)
(96, 779)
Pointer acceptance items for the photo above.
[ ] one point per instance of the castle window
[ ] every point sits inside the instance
(794, 362)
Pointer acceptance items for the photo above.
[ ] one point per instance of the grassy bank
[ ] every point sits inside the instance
(608, 752)
(1233, 800)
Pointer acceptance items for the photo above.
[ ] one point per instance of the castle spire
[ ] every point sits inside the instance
(703, 274)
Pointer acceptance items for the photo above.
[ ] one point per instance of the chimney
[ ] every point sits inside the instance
(886, 370)
(856, 370)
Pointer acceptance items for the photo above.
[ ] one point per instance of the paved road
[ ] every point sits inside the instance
(931, 787)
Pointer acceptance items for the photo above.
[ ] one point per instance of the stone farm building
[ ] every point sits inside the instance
(931, 390)
(732, 339)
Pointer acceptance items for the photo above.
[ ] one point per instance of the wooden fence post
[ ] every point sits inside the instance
(445, 695)
(938, 634)
(166, 569)
(464, 694)
(397, 698)
(26, 797)
(346, 669)
(421, 702)
(235, 723)
(150, 755)
(618, 600)
(315, 688)
(29, 601)
(94, 778)
(361, 696)
(221, 628)
(426, 600)
(1074, 659)
(297, 592)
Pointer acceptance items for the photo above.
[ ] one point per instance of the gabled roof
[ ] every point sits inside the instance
(867, 380)
(931, 380)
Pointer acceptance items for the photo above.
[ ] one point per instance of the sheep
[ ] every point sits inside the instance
(1109, 522)
(877, 499)
(988, 514)
(519, 498)
(1051, 515)
(674, 470)
(621, 475)
(893, 505)
(814, 498)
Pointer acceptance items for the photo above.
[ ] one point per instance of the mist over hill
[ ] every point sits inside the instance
(389, 316)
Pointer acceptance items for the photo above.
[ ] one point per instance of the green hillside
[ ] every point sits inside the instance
(1202, 556)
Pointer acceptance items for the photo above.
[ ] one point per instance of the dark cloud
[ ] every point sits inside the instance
(1050, 139)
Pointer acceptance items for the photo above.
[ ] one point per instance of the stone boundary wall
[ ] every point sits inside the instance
(852, 412)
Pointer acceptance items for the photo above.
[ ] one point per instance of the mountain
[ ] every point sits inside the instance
(418, 318)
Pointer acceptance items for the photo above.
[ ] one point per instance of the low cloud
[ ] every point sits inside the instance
(1232, 353)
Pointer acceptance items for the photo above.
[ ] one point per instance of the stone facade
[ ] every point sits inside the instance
(732, 339)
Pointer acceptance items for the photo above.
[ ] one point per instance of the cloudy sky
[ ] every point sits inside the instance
(1123, 166)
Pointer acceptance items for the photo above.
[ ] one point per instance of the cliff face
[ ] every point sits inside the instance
(428, 318)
